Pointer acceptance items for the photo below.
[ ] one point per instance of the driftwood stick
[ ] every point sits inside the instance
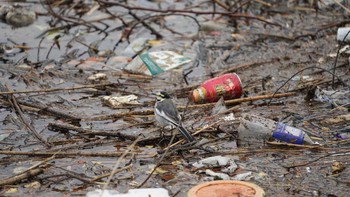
(158, 163)
(20, 114)
(244, 66)
(120, 115)
(30, 172)
(80, 176)
(117, 163)
(56, 89)
(81, 131)
(28, 125)
(239, 100)
(82, 145)
(97, 178)
(25, 106)
(125, 75)
(151, 112)
(65, 126)
(67, 154)
(51, 111)
(16, 178)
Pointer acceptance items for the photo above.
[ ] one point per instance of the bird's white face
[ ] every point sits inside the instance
(162, 95)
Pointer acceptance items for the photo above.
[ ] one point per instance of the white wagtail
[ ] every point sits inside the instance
(167, 114)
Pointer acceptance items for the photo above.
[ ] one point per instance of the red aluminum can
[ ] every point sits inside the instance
(229, 86)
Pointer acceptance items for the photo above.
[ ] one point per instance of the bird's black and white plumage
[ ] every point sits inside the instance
(167, 114)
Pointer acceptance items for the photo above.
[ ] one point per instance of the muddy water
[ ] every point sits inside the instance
(265, 56)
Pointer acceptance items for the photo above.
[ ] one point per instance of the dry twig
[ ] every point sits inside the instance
(119, 160)
(69, 154)
(19, 111)
(30, 172)
(13, 179)
(151, 111)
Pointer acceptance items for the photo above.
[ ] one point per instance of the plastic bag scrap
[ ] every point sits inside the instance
(334, 97)
(153, 63)
(228, 166)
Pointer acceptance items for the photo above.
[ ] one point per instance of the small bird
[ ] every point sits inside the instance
(167, 114)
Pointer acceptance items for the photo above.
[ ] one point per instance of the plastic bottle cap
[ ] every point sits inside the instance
(227, 189)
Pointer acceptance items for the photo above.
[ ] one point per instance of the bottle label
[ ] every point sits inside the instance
(288, 134)
(224, 87)
(220, 90)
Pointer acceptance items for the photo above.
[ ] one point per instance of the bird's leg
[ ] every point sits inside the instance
(161, 134)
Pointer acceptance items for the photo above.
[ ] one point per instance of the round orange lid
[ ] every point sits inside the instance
(226, 189)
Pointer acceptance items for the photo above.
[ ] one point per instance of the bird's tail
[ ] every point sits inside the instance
(186, 134)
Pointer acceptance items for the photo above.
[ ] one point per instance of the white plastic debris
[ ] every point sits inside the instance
(308, 169)
(153, 63)
(215, 161)
(117, 101)
(102, 193)
(302, 78)
(97, 77)
(135, 46)
(229, 117)
(342, 33)
(24, 67)
(4, 136)
(231, 168)
(219, 175)
(260, 176)
(345, 49)
(242, 177)
(335, 97)
(154, 192)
